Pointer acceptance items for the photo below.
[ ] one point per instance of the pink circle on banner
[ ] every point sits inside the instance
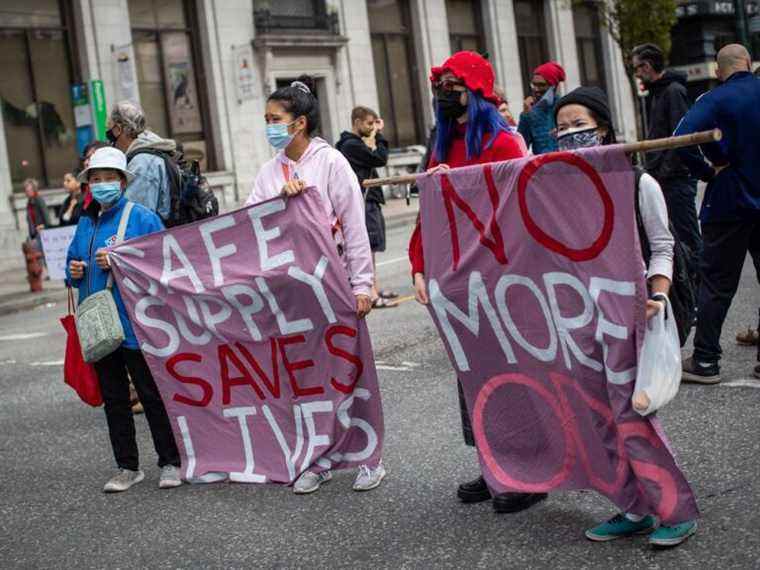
(484, 448)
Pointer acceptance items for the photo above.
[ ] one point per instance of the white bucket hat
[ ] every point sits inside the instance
(107, 157)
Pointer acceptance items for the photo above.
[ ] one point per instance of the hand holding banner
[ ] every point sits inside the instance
(249, 326)
(536, 285)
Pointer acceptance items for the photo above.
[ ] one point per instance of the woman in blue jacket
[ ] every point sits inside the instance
(87, 267)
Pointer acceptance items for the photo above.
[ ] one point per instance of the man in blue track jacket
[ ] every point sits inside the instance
(730, 213)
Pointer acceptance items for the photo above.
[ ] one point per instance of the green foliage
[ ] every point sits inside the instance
(634, 22)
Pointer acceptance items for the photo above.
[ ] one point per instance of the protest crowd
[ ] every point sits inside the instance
(161, 336)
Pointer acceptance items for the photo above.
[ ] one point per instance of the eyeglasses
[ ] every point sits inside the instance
(639, 65)
(449, 85)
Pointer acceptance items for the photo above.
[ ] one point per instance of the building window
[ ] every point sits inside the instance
(465, 25)
(38, 65)
(395, 70)
(531, 36)
(588, 41)
(277, 15)
(169, 73)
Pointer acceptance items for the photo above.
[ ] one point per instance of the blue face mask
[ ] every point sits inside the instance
(278, 136)
(106, 193)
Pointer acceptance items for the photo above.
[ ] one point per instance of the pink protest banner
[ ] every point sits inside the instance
(537, 288)
(249, 326)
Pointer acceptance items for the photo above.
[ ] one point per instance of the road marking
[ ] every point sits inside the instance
(405, 366)
(743, 383)
(23, 336)
(389, 261)
(47, 363)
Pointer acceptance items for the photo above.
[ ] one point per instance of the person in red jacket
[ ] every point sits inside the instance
(469, 130)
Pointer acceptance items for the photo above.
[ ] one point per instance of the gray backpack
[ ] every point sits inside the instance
(98, 324)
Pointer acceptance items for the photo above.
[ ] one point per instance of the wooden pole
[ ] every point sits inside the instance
(674, 142)
(629, 148)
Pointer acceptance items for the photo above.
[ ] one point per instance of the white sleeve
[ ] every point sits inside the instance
(654, 216)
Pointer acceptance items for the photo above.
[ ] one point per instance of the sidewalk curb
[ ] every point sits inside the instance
(12, 307)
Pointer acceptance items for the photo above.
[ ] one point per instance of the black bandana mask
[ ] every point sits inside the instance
(449, 105)
(579, 138)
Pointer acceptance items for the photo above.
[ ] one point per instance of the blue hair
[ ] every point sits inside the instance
(482, 117)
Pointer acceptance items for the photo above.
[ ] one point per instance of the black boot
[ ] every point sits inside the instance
(516, 502)
(474, 491)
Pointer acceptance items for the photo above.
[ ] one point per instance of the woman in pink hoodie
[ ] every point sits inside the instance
(292, 116)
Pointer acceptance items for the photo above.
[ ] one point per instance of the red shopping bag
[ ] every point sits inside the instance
(76, 372)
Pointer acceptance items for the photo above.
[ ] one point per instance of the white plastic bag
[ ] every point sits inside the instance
(658, 375)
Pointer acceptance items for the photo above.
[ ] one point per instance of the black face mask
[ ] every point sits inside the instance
(112, 138)
(449, 105)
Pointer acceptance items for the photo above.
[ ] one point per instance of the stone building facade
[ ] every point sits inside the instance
(202, 70)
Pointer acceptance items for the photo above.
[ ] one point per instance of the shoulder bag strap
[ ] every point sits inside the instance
(120, 235)
(72, 305)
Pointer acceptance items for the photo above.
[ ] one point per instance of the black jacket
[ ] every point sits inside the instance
(666, 104)
(75, 213)
(364, 160)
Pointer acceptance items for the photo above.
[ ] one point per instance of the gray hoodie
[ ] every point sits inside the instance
(151, 184)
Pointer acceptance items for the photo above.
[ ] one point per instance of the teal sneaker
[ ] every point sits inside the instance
(673, 535)
(620, 526)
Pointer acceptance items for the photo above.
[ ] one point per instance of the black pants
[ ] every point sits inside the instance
(114, 384)
(725, 248)
(467, 433)
(373, 215)
(681, 200)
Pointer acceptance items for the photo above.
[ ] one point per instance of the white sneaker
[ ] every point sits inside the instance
(123, 480)
(309, 482)
(169, 477)
(368, 478)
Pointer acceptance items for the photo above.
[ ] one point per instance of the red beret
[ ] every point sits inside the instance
(473, 69)
(551, 71)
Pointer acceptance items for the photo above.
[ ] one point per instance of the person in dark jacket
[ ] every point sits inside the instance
(71, 208)
(730, 213)
(366, 150)
(37, 218)
(666, 104)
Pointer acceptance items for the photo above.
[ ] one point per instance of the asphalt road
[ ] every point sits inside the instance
(55, 457)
